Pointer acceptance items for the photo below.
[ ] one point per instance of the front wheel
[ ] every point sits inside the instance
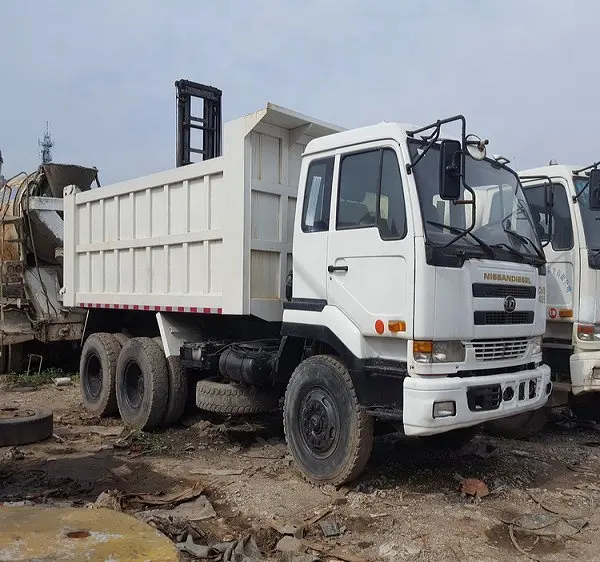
(329, 435)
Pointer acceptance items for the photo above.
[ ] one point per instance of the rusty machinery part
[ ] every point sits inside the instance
(234, 399)
(19, 426)
(178, 387)
(520, 426)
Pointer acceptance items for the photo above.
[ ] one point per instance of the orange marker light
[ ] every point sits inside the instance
(565, 313)
(379, 327)
(397, 326)
(422, 347)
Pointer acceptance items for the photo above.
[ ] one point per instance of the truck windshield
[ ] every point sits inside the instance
(590, 219)
(503, 220)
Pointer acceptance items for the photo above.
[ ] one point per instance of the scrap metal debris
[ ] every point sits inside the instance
(242, 550)
(193, 511)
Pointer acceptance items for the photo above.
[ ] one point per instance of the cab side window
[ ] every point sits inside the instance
(370, 193)
(562, 228)
(317, 196)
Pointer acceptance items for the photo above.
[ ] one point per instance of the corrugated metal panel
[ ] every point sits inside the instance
(212, 236)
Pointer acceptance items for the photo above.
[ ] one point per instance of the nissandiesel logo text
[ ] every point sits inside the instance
(510, 304)
(508, 278)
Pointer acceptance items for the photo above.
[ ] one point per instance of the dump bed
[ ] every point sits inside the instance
(212, 237)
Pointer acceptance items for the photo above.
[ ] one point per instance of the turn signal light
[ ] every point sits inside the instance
(565, 313)
(397, 326)
(422, 346)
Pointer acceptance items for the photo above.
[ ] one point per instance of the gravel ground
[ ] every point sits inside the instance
(407, 505)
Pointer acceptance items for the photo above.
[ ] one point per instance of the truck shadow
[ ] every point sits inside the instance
(78, 478)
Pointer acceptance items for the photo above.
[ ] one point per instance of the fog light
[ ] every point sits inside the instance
(444, 409)
(508, 394)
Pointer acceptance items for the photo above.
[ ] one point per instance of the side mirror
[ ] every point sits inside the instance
(594, 189)
(450, 169)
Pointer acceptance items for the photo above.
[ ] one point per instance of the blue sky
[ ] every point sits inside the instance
(103, 72)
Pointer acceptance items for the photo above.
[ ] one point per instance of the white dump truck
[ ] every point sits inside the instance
(352, 276)
(571, 239)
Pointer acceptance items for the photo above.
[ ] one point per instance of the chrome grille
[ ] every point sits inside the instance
(497, 350)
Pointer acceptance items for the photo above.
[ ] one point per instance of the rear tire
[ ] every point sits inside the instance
(178, 387)
(585, 406)
(142, 384)
(329, 435)
(11, 360)
(121, 338)
(451, 440)
(97, 373)
(233, 399)
(520, 426)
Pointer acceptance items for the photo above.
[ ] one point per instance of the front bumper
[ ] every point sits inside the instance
(585, 372)
(477, 399)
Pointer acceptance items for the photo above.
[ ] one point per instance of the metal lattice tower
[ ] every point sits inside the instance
(46, 144)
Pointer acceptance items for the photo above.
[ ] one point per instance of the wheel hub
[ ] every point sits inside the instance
(134, 385)
(319, 422)
(93, 377)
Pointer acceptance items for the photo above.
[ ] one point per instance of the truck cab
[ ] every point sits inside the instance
(572, 248)
(433, 300)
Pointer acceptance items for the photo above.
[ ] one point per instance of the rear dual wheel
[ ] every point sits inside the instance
(137, 386)
(142, 383)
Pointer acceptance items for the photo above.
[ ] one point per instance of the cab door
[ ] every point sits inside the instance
(559, 252)
(370, 252)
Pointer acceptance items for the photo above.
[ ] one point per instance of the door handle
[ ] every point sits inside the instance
(334, 268)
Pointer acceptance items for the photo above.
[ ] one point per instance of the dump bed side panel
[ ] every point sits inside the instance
(152, 243)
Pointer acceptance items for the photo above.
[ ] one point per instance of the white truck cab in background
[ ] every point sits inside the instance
(380, 273)
(571, 237)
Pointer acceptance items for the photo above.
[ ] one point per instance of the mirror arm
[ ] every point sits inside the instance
(474, 214)
(431, 140)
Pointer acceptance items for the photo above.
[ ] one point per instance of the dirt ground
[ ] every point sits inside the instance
(407, 505)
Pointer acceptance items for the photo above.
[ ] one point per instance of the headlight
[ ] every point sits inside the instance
(536, 345)
(588, 332)
(438, 351)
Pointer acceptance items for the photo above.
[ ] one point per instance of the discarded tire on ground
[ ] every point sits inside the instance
(450, 440)
(19, 426)
(226, 398)
(178, 388)
(97, 371)
(329, 435)
(521, 426)
(142, 383)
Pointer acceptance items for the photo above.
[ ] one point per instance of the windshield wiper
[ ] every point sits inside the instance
(510, 249)
(458, 230)
(525, 241)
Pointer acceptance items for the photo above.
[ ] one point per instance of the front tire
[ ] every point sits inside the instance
(329, 435)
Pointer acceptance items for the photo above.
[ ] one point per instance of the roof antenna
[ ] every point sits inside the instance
(553, 163)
